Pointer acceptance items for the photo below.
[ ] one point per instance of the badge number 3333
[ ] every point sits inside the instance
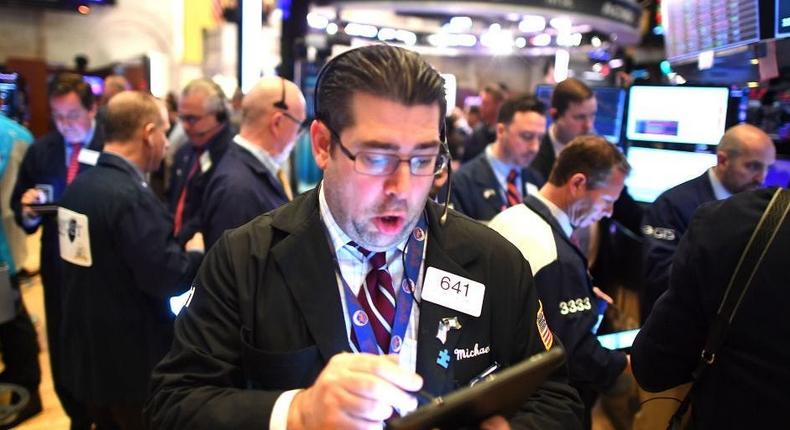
(575, 305)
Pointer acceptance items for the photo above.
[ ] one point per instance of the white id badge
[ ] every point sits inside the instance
(453, 291)
(88, 156)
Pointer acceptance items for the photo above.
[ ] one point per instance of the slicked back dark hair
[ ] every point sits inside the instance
(65, 83)
(569, 91)
(522, 103)
(592, 156)
(384, 71)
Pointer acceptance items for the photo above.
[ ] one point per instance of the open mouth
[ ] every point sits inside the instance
(389, 224)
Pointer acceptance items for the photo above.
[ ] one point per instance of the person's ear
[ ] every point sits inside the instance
(321, 143)
(578, 184)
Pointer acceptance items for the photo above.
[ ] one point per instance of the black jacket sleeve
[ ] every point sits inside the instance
(200, 383)
(669, 345)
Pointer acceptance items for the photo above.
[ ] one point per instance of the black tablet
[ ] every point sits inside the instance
(44, 208)
(501, 393)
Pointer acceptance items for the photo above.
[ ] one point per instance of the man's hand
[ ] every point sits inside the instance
(31, 196)
(355, 391)
(497, 422)
(195, 243)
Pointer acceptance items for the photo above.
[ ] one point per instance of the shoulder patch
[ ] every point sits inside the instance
(543, 328)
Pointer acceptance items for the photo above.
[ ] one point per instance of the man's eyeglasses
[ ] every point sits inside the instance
(382, 164)
(283, 106)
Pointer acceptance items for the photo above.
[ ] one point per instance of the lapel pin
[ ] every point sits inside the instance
(445, 325)
(488, 192)
(443, 359)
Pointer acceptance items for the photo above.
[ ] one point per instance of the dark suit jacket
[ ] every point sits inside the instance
(240, 189)
(563, 285)
(476, 143)
(182, 164)
(544, 160)
(477, 193)
(266, 316)
(116, 315)
(664, 224)
(746, 387)
(45, 163)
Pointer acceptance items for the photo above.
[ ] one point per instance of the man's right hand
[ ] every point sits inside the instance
(355, 391)
(31, 196)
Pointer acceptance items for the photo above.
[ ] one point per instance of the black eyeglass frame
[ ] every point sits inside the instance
(442, 158)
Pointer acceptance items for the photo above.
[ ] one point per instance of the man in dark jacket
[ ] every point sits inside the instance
(742, 159)
(746, 385)
(203, 112)
(313, 316)
(587, 179)
(247, 181)
(49, 166)
(500, 177)
(121, 264)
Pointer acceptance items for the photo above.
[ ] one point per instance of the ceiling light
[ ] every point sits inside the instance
(532, 24)
(541, 39)
(561, 23)
(317, 21)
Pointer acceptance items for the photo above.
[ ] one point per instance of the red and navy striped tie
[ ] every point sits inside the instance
(513, 195)
(377, 297)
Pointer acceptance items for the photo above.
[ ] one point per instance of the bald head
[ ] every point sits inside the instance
(743, 155)
(130, 111)
(272, 114)
(114, 84)
(267, 92)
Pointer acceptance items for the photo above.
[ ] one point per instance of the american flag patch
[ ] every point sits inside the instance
(543, 328)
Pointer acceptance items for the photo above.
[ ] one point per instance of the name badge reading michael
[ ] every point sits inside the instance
(453, 291)
(88, 156)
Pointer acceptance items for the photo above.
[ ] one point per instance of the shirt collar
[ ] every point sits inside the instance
(554, 142)
(338, 238)
(259, 153)
(134, 167)
(719, 190)
(498, 165)
(562, 218)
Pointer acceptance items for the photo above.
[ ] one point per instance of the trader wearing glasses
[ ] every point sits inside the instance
(329, 312)
(247, 181)
(203, 114)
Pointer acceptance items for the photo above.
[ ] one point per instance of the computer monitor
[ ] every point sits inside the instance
(678, 115)
(8, 94)
(779, 173)
(611, 107)
(655, 170)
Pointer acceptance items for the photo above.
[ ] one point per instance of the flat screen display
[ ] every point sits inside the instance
(782, 18)
(8, 89)
(611, 107)
(778, 174)
(654, 171)
(687, 115)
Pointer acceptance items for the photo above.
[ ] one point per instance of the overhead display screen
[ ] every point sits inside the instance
(685, 115)
(693, 26)
(782, 18)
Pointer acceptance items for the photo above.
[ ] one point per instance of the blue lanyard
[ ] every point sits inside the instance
(360, 321)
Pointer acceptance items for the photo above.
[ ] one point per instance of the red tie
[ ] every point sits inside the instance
(182, 198)
(513, 196)
(74, 163)
(377, 298)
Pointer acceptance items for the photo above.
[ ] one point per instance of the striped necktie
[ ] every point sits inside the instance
(513, 195)
(74, 162)
(377, 297)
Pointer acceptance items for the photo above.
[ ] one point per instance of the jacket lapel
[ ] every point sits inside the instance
(441, 255)
(487, 182)
(257, 168)
(314, 289)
